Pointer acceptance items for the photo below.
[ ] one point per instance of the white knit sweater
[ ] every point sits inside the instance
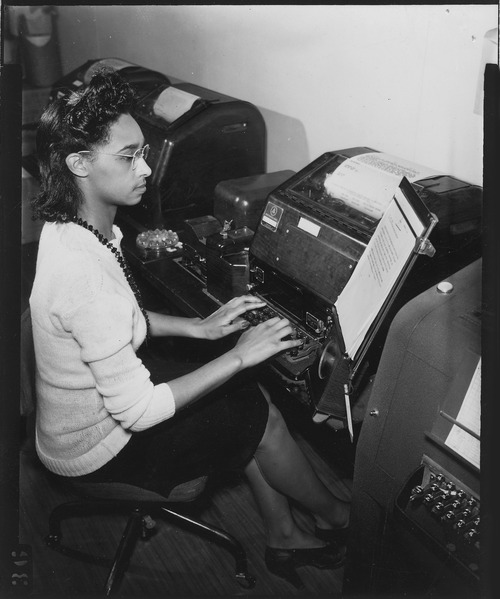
(92, 389)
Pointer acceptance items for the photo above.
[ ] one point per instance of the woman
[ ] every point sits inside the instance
(101, 414)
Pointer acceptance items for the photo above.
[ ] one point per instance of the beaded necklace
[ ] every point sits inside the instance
(123, 264)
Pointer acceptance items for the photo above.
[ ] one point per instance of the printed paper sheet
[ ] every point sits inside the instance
(367, 182)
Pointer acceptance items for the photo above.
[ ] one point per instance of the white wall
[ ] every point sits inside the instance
(400, 79)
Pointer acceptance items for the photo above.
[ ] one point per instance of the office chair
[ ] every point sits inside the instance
(140, 504)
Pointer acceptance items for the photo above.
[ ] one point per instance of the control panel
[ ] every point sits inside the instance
(446, 513)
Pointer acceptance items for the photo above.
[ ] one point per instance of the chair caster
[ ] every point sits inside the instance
(52, 541)
(148, 528)
(245, 580)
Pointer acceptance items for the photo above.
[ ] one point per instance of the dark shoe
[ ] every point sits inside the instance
(334, 535)
(282, 562)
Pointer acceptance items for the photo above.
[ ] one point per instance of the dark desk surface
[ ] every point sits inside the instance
(179, 287)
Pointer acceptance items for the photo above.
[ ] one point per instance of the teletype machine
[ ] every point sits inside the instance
(339, 247)
(197, 137)
(416, 512)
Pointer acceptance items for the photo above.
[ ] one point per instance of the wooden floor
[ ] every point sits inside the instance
(173, 562)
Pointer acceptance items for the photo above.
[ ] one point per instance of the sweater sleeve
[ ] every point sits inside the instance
(103, 328)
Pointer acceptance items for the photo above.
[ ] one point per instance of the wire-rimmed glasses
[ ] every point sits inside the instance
(137, 155)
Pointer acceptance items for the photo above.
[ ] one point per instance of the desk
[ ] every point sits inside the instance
(175, 284)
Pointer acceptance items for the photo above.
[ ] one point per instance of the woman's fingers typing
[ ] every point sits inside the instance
(244, 303)
(238, 306)
(266, 334)
(266, 339)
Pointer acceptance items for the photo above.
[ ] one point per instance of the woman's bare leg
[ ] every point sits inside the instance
(279, 471)
(281, 528)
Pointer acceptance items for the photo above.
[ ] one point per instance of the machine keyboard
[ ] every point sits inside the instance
(255, 317)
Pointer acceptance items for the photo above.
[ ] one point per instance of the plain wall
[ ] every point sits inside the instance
(401, 79)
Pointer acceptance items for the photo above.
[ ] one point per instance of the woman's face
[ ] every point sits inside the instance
(111, 179)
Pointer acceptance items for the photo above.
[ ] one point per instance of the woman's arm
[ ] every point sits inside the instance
(133, 400)
(166, 325)
(217, 325)
(253, 347)
(103, 331)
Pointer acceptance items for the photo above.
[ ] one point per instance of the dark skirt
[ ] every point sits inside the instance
(218, 432)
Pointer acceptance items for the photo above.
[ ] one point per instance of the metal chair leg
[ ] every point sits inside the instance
(244, 578)
(53, 540)
(66, 510)
(124, 551)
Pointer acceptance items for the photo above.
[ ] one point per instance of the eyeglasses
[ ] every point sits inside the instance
(139, 153)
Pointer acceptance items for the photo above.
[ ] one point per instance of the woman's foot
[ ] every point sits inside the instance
(295, 539)
(283, 562)
(338, 536)
(336, 529)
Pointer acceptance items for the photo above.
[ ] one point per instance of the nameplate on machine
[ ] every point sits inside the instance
(307, 225)
(272, 216)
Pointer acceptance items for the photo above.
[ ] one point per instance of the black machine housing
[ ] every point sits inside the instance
(301, 275)
(218, 138)
(415, 518)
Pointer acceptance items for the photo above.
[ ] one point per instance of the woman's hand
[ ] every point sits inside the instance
(226, 319)
(254, 346)
(264, 341)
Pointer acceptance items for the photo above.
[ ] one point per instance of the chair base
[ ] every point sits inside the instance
(223, 538)
(139, 524)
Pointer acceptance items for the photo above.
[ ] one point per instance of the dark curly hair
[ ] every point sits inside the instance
(73, 122)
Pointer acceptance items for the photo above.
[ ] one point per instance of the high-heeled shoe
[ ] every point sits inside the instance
(338, 536)
(283, 562)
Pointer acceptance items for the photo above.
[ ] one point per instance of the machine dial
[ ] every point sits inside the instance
(329, 357)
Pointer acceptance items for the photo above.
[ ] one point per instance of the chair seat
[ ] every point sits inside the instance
(114, 491)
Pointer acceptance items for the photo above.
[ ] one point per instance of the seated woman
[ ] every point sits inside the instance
(101, 416)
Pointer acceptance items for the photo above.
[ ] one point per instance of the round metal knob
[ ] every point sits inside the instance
(445, 287)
